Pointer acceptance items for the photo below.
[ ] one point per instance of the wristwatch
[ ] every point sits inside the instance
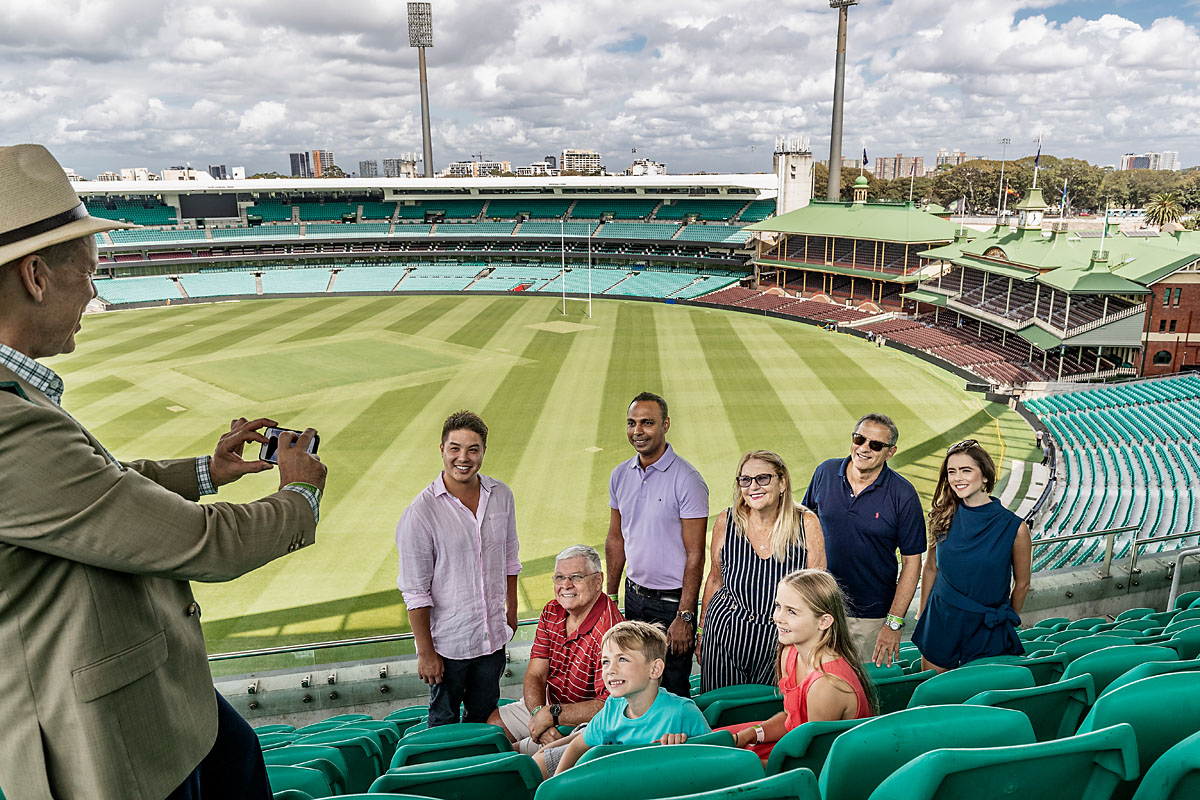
(555, 710)
(687, 616)
(893, 622)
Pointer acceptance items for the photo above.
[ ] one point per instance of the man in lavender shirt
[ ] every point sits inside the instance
(658, 511)
(458, 573)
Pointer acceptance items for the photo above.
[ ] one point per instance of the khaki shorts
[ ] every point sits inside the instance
(863, 632)
(516, 719)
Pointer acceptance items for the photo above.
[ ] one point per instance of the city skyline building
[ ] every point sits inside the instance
(899, 166)
(579, 160)
(403, 167)
(368, 169)
(301, 165)
(322, 161)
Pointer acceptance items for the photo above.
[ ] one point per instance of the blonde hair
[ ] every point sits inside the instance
(821, 593)
(634, 635)
(789, 517)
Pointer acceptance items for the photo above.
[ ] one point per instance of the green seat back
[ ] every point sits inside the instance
(875, 673)
(1031, 633)
(348, 718)
(305, 779)
(797, 784)
(893, 694)
(1185, 642)
(1163, 711)
(1175, 775)
(862, 757)
(807, 746)
(1180, 624)
(731, 712)
(269, 740)
(1150, 669)
(957, 685)
(1059, 637)
(1187, 613)
(1054, 710)
(1086, 623)
(291, 794)
(1046, 668)
(408, 712)
(1162, 617)
(328, 760)
(387, 732)
(741, 691)
(1185, 599)
(364, 759)
(716, 738)
(1106, 665)
(1135, 625)
(1078, 768)
(1134, 613)
(262, 730)
(655, 772)
(451, 733)
(425, 750)
(496, 775)
(317, 727)
(1077, 647)
(1055, 623)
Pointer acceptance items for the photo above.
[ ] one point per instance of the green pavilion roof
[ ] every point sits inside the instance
(885, 222)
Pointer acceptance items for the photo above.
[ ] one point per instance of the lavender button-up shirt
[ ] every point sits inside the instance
(457, 564)
(652, 501)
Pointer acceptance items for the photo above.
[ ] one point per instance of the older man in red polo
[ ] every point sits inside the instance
(563, 683)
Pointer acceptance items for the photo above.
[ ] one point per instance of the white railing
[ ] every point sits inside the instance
(1099, 323)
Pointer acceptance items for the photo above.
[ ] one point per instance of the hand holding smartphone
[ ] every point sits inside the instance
(270, 450)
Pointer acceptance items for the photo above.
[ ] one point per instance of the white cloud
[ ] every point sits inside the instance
(700, 85)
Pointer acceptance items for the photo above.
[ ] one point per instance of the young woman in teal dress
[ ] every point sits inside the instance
(977, 570)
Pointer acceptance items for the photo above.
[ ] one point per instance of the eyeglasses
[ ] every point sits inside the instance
(876, 445)
(573, 578)
(965, 444)
(762, 480)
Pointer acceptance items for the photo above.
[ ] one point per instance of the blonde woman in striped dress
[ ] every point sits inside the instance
(762, 537)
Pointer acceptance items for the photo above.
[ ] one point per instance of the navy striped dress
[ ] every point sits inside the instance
(740, 640)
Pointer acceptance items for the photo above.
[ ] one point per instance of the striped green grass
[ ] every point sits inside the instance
(377, 376)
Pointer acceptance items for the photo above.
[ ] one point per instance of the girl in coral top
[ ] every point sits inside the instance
(817, 668)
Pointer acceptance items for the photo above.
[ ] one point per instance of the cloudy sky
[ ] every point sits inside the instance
(699, 85)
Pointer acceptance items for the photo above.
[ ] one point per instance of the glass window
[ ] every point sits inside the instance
(1162, 357)
(1172, 328)
(1162, 326)
(1166, 297)
(1178, 292)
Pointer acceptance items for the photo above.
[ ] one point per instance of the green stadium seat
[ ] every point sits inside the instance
(1186, 599)
(1046, 668)
(1086, 623)
(1135, 625)
(291, 794)
(807, 746)
(875, 672)
(1053, 710)
(268, 740)
(496, 775)
(720, 713)
(797, 784)
(1031, 634)
(1175, 775)
(1180, 624)
(1150, 669)
(1185, 642)
(1053, 623)
(1187, 613)
(1134, 613)
(304, 779)
(1163, 711)
(443, 743)
(1058, 637)
(714, 738)
(278, 728)
(1086, 767)
(388, 733)
(328, 760)
(364, 759)
(649, 773)
(1163, 617)
(862, 757)
(894, 693)
(317, 727)
(956, 685)
(1110, 663)
(1077, 647)
(758, 210)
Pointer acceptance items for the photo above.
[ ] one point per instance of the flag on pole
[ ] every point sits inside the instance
(1037, 160)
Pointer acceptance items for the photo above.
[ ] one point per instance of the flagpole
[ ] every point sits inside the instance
(912, 178)
(1037, 160)
(589, 270)
(563, 254)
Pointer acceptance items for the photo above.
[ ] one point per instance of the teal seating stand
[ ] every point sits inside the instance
(497, 775)
(807, 746)
(650, 773)
(1053, 710)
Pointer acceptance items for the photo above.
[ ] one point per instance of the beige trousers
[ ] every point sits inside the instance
(864, 632)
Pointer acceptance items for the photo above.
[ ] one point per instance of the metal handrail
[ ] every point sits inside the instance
(1110, 537)
(300, 648)
(1176, 578)
(1133, 561)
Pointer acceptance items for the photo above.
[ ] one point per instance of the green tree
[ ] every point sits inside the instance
(267, 175)
(1164, 208)
(332, 171)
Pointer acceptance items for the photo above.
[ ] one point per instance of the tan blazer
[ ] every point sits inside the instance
(105, 690)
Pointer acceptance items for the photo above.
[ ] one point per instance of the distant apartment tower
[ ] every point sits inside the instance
(301, 166)
(900, 166)
(644, 166)
(551, 161)
(368, 169)
(477, 169)
(537, 169)
(108, 176)
(322, 161)
(1170, 161)
(219, 171)
(238, 173)
(403, 167)
(135, 174)
(585, 161)
(953, 159)
(1167, 160)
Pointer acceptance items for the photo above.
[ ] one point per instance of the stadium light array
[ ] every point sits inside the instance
(420, 36)
(420, 25)
(842, 3)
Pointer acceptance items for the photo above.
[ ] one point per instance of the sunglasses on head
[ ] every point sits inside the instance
(762, 480)
(965, 444)
(876, 445)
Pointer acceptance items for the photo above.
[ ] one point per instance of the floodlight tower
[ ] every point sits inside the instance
(834, 191)
(420, 36)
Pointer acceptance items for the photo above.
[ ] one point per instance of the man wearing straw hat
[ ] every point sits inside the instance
(105, 689)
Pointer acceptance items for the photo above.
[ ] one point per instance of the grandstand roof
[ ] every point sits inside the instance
(883, 222)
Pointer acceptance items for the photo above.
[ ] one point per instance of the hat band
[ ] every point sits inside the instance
(42, 226)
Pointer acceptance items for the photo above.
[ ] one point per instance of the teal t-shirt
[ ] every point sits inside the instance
(669, 713)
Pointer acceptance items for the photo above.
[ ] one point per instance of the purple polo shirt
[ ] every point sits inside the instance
(652, 501)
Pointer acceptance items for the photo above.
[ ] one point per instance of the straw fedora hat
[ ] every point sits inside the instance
(38, 205)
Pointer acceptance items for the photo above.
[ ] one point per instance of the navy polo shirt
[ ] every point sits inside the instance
(862, 533)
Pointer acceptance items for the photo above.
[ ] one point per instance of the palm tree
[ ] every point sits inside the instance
(1163, 209)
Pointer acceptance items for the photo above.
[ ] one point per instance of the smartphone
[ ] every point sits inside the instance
(270, 450)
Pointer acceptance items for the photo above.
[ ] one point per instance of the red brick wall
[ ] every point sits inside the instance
(1184, 343)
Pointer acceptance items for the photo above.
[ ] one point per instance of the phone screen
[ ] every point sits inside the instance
(270, 450)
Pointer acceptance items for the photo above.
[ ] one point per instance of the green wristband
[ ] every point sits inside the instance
(613, 597)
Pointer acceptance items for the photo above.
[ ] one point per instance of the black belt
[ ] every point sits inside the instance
(666, 595)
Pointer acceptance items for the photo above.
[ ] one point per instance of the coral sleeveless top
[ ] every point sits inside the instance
(795, 692)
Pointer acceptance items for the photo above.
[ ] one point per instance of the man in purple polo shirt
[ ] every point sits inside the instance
(658, 511)
(458, 573)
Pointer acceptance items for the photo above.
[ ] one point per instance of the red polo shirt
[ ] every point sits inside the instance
(574, 660)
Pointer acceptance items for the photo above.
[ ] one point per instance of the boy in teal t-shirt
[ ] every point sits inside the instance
(638, 710)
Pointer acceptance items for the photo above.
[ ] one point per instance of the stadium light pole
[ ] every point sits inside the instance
(1004, 142)
(834, 190)
(420, 36)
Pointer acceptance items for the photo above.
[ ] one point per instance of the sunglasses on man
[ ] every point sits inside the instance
(876, 445)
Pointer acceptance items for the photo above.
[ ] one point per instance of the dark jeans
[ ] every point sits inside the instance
(233, 768)
(648, 609)
(474, 682)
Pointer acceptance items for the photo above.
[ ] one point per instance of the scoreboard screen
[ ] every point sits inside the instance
(202, 206)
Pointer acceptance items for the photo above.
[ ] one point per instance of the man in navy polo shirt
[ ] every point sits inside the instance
(867, 512)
